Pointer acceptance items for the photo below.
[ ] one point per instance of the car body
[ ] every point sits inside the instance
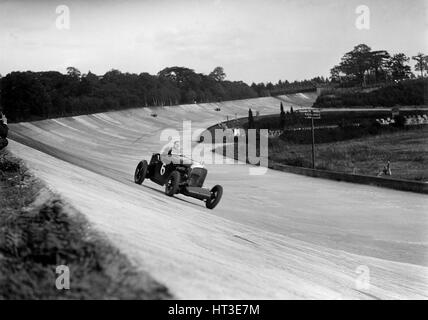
(179, 175)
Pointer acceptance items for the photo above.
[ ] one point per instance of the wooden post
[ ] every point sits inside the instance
(313, 141)
(309, 113)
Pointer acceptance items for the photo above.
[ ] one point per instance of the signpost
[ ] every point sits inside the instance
(312, 114)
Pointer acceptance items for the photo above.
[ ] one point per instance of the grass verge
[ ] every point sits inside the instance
(407, 150)
(38, 232)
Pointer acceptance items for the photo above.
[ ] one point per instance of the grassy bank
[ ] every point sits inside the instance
(342, 118)
(408, 92)
(407, 150)
(39, 232)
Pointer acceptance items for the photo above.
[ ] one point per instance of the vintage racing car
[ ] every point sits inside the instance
(179, 175)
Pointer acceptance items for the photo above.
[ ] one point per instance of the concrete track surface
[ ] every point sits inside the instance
(273, 236)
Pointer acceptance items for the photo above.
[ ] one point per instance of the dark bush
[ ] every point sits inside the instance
(409, 92)
(7, 165)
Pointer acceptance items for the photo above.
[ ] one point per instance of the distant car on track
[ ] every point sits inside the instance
(179, 175)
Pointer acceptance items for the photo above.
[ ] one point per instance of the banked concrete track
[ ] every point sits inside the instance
(276, 236)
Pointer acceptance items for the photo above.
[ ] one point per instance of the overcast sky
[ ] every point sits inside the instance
(263, 40)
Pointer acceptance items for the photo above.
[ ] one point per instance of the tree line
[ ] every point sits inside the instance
(40, 95)
(286, 87)
(389, 78)
(364, 66)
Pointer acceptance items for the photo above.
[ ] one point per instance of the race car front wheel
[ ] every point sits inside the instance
(216, 193)
(141, 172)
(172, 184)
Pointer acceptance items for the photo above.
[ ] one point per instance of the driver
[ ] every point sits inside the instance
(3, 131)
(171, 153)
(168, 150)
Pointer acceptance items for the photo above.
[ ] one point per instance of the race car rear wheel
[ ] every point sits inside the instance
(141, 172)
(171, 186)
(216, 194)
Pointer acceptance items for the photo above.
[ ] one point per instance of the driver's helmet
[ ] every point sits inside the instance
(176, 147)
(172, 148)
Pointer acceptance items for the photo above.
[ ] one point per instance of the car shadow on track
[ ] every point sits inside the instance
(180, 199)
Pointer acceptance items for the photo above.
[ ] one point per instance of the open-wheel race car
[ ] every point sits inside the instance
(179, 175)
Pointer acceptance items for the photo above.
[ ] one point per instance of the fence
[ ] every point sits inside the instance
(397, 184)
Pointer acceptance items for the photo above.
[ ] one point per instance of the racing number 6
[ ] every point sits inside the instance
(162, 169)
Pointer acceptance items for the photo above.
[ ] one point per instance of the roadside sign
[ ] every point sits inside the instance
(316, 113)
(303, 110)
(312, 114)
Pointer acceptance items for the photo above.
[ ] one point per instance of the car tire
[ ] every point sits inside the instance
(172, 184)
(216, 194)
(141, 172)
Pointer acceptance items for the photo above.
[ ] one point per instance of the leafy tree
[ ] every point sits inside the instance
(73, 72)
(250, 119)
(398, 66)
(421, 63)
(218, 74)
(87, 84)
(335, 74)
(378, 63)
(180, 75)
(355, 63)
(191, 96)
(361, 65)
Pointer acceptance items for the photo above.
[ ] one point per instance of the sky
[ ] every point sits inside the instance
(253, 40)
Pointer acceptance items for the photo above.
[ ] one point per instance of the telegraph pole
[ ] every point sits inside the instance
(312, 114)
(313, 141)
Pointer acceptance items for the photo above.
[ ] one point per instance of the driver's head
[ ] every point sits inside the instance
(176, 146)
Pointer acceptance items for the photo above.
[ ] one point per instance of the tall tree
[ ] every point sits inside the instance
(74, 72)
(250, 119)
(282, 117)
(355, 63)
(421, 63)
(378, 63)
(398, 66)
(218, 74)
(335, 74)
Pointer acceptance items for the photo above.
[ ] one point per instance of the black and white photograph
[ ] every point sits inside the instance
(222, 151)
